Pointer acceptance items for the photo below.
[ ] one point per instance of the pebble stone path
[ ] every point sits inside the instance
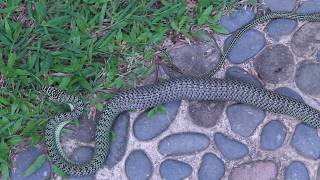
(219, 140)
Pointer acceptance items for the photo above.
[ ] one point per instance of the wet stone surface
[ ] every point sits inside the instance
(23, 160)
(211, 167)
(274, 64)
(272, 135)
(86, 131)
(237, 73)
(306, 141)
(237, 19)
(307, 78)
(197, 58)
(82, 154)
(280, 27)
(146, 128)
(244, 118)
(283, 5)
(183, 143)
(119, 142)
(138, 166)
(175, 170)
(310, 6)
(247, 46)
(306, 41)
(205, 113)
(296, 170)
(285, 91)
(231, 149)
(262, 170)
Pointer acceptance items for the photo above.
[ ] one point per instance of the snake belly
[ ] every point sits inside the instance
(186, 88)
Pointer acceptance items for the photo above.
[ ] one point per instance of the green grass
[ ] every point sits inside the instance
(86, 47)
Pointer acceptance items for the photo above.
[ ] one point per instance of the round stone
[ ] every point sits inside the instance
(306, 141)
(244, 118)
(119, 142)
(289, 93)
(205, 113)
(196, 59)
(310, 6)
(146, 128)
(273, 135)
(82, 154)
(211, 167)
(280, 27)
(22, 161)
(250, 43)
(296, 170)
(283, 5)
(175, 170)
(138, 166)
(237, 19)
(86, 131)
(237, 73)
(305, 41)
(262, 170)
(274, 64)
(231, 149)
(183, 143)
(307, 78)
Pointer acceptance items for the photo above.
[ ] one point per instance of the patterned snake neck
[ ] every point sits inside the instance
(188, 88)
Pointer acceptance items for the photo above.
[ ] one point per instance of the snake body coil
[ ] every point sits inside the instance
(188, 88)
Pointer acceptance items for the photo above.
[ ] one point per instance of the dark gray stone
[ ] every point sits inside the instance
(196, 59)
(306, 141)
(23, 160)
(307, 78)
(175, 170)
(273, 135)
(247, 46)
(262, 170)
(240, 74)
(283, 5)
(274, 64)
(318, 56)
(183, 143)
(280, 27)
(138, 166)
(288, 92)
(310, 6)
(146, 128)
(82, 154)
(86, 131)
(231, 149)
(296, 171)
(244, 118)
(211, 167)
(119, 143)
(205, 113)
(237, 19)
(285, 91)
(305, 41)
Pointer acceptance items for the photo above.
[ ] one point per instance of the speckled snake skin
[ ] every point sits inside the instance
(188, 88)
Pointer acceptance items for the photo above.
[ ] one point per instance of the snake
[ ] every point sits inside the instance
(204, 87)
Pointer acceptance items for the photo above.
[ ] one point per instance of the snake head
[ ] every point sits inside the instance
(53, 93)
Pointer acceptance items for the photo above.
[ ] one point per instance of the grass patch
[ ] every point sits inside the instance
(83, 47)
